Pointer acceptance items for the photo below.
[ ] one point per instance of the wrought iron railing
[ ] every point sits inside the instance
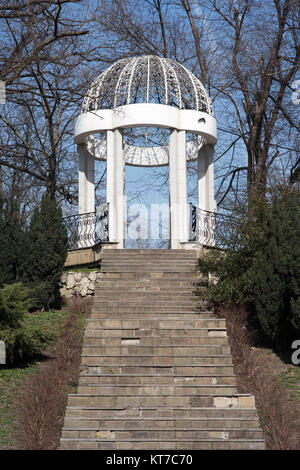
(86, 230)
(210, 228)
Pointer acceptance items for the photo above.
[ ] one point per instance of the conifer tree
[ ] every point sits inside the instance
(47, 250)
(275, 272)
(12, 242)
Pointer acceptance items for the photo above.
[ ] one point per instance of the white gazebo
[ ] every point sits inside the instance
(146, 91)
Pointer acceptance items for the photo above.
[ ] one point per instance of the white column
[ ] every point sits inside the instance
(86, 197)
(86, 188)
(178, 189)
(206, 197)
(115, 196)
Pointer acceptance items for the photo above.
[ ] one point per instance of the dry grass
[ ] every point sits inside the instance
(43, 397)
(277, 413)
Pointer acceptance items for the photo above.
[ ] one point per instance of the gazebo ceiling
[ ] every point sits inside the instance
(147, 79)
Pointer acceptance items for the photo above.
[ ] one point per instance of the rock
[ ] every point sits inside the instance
(92, 276)
(70, 281)
(78, 277)
(83, 287)
(91, 286)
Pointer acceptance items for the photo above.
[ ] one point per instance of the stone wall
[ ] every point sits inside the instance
(80, 283)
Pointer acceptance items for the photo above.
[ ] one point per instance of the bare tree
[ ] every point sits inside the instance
(247, 55)
(40, 66)
(260, 49)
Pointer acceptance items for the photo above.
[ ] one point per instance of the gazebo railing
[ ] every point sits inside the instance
(86, 230)
(210, 228)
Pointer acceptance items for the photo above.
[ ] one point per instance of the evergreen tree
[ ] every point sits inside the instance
(262, 271)
(47, 251)
(12, 242)
(4, 315)
(275, 272)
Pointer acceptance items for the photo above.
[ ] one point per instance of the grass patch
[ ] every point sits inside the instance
(290, 380)
(82, 269)
(48, 323)
(11, 378)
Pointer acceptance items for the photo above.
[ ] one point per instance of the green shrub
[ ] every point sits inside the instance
(16, 302)
(275, 272)
(47, 252)
(262, 269)
(12, 242)
(23, 340)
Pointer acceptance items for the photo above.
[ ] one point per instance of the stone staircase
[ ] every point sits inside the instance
(156, 369)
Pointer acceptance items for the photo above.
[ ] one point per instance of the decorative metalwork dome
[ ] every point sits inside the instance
(147, 79)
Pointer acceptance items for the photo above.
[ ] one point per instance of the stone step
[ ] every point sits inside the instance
(115, 379)
(135, 271)
(161, 434)
(102, 293)
(108, 314)
(155, 390)
(157, 401)
(93, 331)
(167, 276)
(161, 351)
(180, 444)
(142, 296)
(163, 261)
(135, 302)
(169, 284)
(144, 254)
(172, 413)
(145, 323)
(156, 341)
(131, 423)
(156, 361)
(172, 371)
(161, 313)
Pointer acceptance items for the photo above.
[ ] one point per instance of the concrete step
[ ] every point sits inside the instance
(180, 444)
(171, 413)
(142, 296)
(145, 251)
(120, 314)
(156, 361)
(135, 271)
(131, 423)
(134, 312)
(154, 283)
(162, 261)
(161, 434)
(118, 379)
(132, 274)
(161, 351)
(207, 370)
(158, 401)
(156, 323)
(154, 389)
(93, 331)
(156, 341)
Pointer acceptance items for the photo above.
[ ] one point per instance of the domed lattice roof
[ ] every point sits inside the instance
(147, 79)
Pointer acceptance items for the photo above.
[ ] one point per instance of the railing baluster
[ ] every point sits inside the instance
(86, 230)
(209, 228)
